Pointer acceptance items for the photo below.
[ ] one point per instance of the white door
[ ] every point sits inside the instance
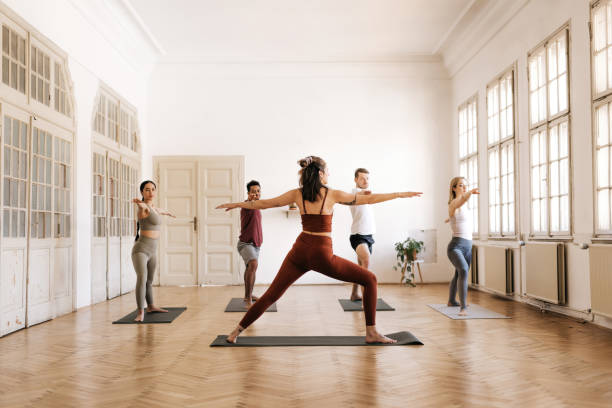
(129, 190)
(13, 250)
(40, 271)
(99, 226)
(221, 179)
(113, 270)
(63, 232)
(177, 192)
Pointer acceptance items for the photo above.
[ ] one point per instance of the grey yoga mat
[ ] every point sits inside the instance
(403, 338)
(357, 306)
(473, 312)
(237, 305)
(156, 317)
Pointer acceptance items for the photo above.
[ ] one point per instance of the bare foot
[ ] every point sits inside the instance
(248, 303)
(254, 298)
(452, 304)
(155, 309)
(373, 336)
(234, 335)
(355, 297)
(462, 312)
(140, 316)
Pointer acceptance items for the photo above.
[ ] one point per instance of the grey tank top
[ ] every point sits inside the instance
(150, 223)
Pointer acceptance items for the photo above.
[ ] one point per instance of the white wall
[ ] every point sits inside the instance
(93, 57)
(530, 26)
(390, 118)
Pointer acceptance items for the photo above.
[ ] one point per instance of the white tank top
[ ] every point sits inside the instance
(461, 223)
(363, 218)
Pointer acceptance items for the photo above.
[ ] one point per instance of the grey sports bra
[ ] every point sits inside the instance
(151, 222)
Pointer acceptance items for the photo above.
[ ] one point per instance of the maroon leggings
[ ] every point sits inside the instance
(314, 252)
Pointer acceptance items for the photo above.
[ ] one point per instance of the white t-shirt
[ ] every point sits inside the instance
(363, 218)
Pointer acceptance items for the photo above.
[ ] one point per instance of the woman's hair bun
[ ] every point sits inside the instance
(305, 162)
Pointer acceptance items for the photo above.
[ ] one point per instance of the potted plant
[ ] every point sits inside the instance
(406, 252)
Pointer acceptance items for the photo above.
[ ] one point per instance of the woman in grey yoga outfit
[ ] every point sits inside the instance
(459, 250)
(144, 252)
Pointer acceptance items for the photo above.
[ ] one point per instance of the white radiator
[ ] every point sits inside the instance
(545, 274)
(600, 265)
(499, 269)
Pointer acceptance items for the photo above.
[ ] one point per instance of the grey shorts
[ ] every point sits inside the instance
(247, 251)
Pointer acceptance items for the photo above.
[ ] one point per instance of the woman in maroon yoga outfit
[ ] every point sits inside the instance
(313, 248)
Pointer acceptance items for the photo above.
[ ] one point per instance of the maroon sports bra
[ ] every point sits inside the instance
(316, 222)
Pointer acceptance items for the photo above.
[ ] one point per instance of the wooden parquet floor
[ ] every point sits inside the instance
(532, 360)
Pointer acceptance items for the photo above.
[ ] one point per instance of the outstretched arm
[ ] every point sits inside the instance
(458, 202)
(284, 199)
(342, 197)
(165, 212)
(143, 210)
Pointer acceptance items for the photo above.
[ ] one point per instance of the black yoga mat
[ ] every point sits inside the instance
(237, 305)
(155, 317)
(403, 338)
(357, 306)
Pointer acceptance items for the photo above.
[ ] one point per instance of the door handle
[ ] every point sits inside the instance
(195, 223)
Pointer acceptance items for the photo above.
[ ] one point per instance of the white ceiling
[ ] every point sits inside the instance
(298, 30)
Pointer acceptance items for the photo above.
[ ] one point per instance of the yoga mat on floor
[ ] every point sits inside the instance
(156, 317)
(474, 312)
(356, 305)
(237, 305)
(403, 338)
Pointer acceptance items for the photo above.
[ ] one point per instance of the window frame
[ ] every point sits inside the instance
(498, 145)
(546, 124)
(470, 156)
(597, 100)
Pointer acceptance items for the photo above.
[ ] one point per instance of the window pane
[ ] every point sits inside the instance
(535, 182)
(563, 141)
(599, 27)
(602, 125)
(563, 93)
(552, 60)
(603, 209)
(535, 215)
(553, 101)
(564, 214)
(554, 178)
(600, 72)
(554, 143)
(564, 176)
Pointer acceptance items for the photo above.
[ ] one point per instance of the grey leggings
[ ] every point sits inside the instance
(144, 258)
(460, 254)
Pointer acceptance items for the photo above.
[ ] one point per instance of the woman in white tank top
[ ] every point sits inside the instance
(459, 250)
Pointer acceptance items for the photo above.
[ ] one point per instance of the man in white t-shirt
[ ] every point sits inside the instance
(363, 226)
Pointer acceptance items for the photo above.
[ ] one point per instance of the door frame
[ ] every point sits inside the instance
(199, 160)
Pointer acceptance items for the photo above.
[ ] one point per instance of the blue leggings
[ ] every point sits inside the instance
(460, 254)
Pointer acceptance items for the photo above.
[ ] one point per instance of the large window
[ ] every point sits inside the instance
(549, 137)
(99, 195)
(128, 190)
(42, 143)
(115, 166)
(40, 83)
(601, 16)
(13, 59)
(500, 125)
(62, 163)
(15, 178)
(468, 152)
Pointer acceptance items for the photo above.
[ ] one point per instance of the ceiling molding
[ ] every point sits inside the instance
(474, 29)
(447, 34)
(123, 29)
(196, 59)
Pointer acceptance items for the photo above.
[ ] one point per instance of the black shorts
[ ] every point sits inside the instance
(357, 239)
